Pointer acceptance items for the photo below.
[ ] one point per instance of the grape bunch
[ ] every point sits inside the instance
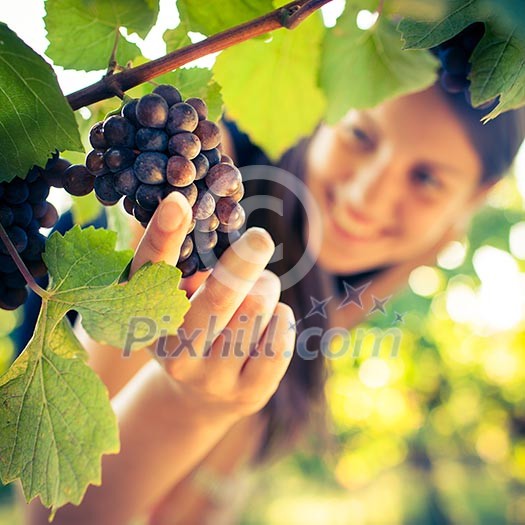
(454, 55)
(157, 145)
(23, 211)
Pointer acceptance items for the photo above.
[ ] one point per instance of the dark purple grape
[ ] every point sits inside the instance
(12, 298)
(204, 241)
(105, 189)
(233, 224)
(33, 226)
(191, 227)
(189, 266)
(239, 194)
(33, 174)
(125, 182)
(213, 156)
(16, 192)
(200, 107)
(228, 211)
(190, 192)
(95, 162)
(35, 246)
(96, 136)
(119, 132)
(151, 139)
(78, 181)
(202, 166)
(169, 93)
(18, 238)
(38, 191)
(181, 117)
(129, 112)
(226, 159)
(22, 214)
(152, 111)
(206, 260)
(150, 167)
(6, 215)
(7, 264)
(128, 204)
(36, 268)
(185, 144)
(119, 158)
(209, 134)
(455, 60)
(180, 172)
(149, 196)
(453, 83)
(14, 279)
(54, 171)
(141, 214)
(39, 209)
(50, 217)
(223, 179)
(208, 225)
(186, 249)
(204, 205)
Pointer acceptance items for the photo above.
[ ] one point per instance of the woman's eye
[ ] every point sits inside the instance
(360, 134)
(427, 179)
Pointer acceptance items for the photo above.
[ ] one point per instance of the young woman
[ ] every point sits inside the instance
(394, 185)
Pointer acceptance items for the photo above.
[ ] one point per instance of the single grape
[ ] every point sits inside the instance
(186, 249)
(453, 83)
(455, 60)
(36, 243)
(128, 204)
(16, 192)
(213, 156)
(50, 217)
(141, 214)
(105, 190)
(239, 194)
(129, 111)
(7, 264)
(190, 192)
(223, 179)
(22, 214)
(151, 139)
(36, 268)
(54, 171)
(33, 174)
(12, 298)
(202, 166)
(148, 196)
(119, 158)
(185, 144)
(204, 205)
(209, 134)
(207, 260)
(95, 162)
(38, 191)
(125, 182)
(150, 167)
(118, 131)
(200, 107)
(233, 224)
(78, 181)
(226, 159)
(189, 266)
(209, 224)
(6, 215)
(169, 93)
(18, 238)
(191, 227)
(180, 172)
(152, 111)
(181, 117)
(96, 136)
(204, 241)
(228, 210)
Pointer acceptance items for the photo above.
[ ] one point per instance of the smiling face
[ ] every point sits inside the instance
(390, 181)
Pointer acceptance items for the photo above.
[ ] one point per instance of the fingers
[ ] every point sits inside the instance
(216, 301)
(263, 372)
(243, 332)
(165, 233)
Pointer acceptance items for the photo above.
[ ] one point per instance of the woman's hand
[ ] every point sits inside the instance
(235, 313)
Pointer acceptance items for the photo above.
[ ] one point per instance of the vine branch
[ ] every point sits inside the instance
(288, 16)
(30, 280)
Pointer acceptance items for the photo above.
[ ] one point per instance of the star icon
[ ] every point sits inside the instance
(293, 326)
(353, 295)
(399, 318)
(379, 305)
(318, 307)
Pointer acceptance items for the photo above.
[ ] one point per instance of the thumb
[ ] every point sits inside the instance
(165, 233)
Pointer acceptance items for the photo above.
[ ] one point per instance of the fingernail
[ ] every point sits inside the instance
(171, 213)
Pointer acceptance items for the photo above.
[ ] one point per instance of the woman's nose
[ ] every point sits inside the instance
(372, 195)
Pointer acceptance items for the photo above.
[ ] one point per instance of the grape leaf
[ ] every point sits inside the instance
(361, 68)
(35, 118)
(270, 88)
(176, 38)
(55, 418)
(82, 34)
(213, 16)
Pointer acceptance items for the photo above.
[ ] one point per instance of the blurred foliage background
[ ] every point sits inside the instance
(434, 434)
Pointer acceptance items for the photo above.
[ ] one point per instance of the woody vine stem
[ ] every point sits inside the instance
(114, 84)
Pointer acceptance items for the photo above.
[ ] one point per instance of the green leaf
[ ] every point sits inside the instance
(176, 38)
(213, 16)
(55, 418)
(362, 68)
(82, 34)
(35, 118)
(270, 88)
